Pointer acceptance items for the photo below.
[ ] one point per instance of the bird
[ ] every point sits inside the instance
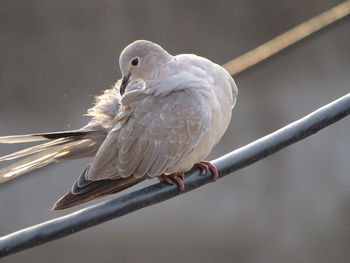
(162, 118)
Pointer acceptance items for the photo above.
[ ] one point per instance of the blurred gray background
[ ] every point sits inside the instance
(55, 56)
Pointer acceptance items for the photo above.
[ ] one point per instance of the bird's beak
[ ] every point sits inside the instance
(125, 81)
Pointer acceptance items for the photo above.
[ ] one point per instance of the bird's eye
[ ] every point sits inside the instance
(135, 62)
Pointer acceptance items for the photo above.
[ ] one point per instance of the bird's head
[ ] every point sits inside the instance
(141, 59)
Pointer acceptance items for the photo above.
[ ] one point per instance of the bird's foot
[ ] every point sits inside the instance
(170, 178)
(208, 166)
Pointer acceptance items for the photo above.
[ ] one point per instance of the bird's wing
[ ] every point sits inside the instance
(150, 136)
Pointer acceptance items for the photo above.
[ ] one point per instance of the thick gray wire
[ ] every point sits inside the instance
(117, 207)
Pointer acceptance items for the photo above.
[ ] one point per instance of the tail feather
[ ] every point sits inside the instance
(101, 188)
(28, 164)
(41, 136)
(66, 145)
(47, 156)
(34, 149)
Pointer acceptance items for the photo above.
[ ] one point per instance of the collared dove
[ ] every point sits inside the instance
(163, 117)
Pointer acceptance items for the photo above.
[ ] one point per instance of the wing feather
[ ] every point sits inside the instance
(153, 136)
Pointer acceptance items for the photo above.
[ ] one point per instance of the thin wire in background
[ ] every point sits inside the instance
(287, 39)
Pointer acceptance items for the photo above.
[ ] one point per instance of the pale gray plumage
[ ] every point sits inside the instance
(174, 109)
(154, 134)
